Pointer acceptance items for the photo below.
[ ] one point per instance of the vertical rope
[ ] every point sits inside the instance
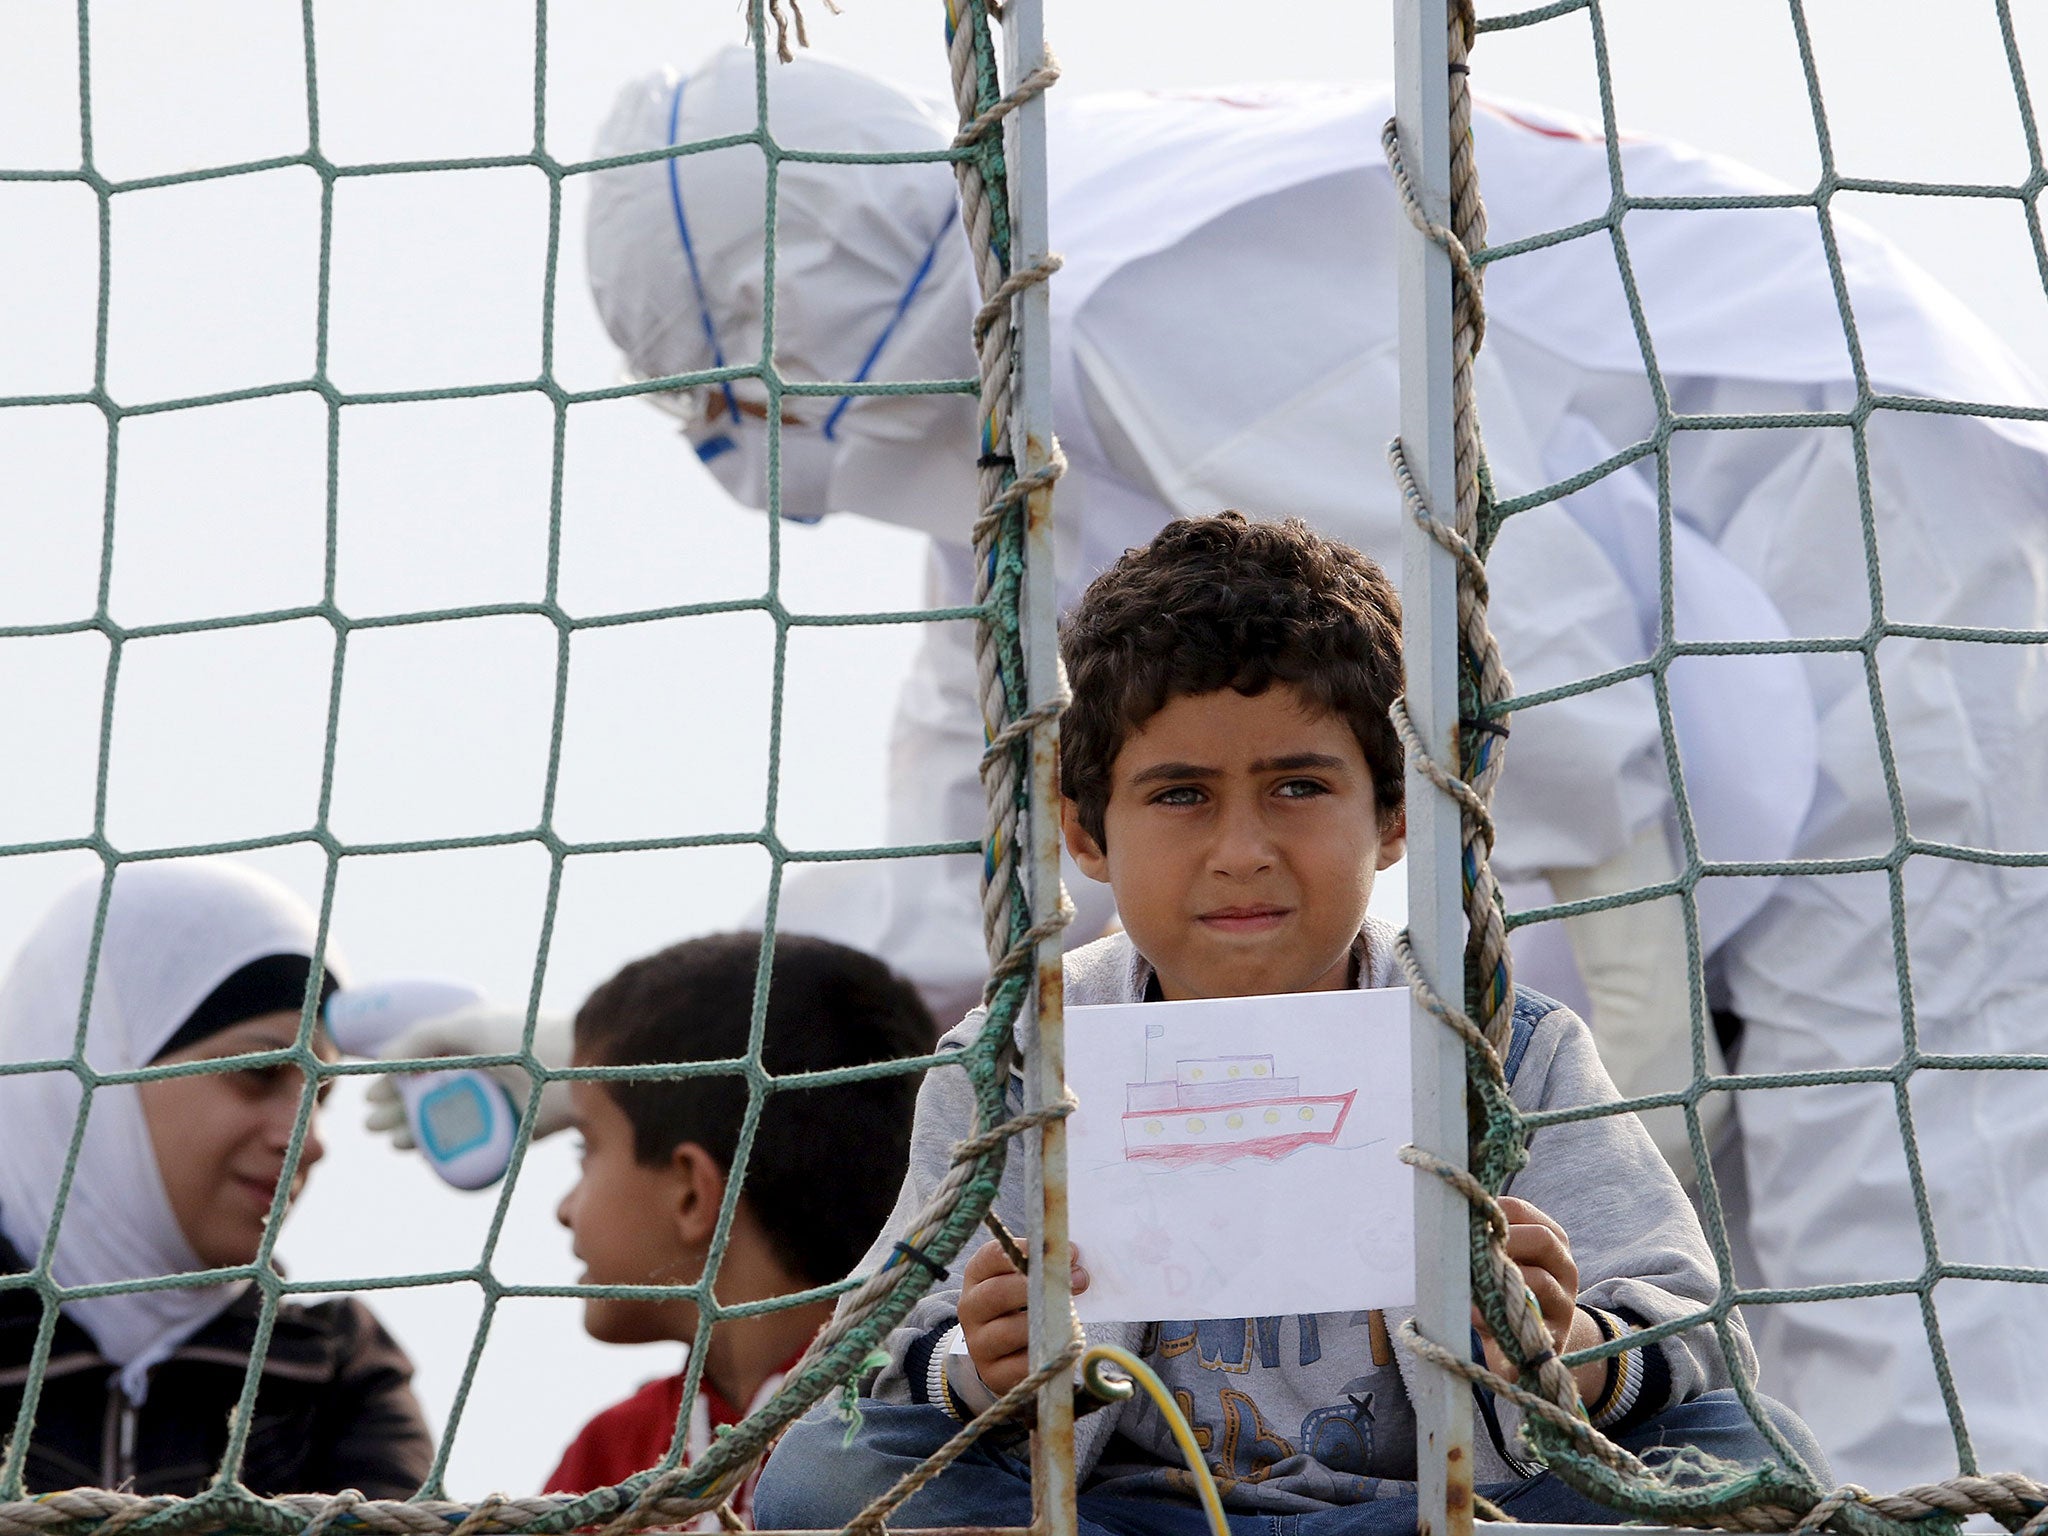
(1484, 684)
(1008, 719)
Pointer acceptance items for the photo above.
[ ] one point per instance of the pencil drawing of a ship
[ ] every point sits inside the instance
(1217, 1109)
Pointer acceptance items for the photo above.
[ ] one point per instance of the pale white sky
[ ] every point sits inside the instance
(438, 280)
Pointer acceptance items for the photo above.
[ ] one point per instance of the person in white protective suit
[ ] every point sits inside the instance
(1224, 335)
(873, 283)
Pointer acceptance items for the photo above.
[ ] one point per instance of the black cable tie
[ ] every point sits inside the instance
(995, 461)
(1535, 1364)
(1461, 69)
(1485, 725)
(938, 1270)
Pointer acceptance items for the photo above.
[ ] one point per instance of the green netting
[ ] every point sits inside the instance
(1704, 1494)
(670, 1491)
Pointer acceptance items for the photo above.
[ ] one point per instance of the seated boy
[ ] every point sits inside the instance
(1231, 771)
(657, 1154)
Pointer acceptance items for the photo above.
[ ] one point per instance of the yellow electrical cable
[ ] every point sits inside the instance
(1109, 1389)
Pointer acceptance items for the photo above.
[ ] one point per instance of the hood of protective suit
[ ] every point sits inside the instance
(872, 283)
(173, 932)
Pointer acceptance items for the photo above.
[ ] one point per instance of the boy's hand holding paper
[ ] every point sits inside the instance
(993, 1321)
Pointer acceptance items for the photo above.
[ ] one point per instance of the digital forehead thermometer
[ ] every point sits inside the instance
(463, 1122)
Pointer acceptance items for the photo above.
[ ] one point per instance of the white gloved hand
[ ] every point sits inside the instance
(482, 1030)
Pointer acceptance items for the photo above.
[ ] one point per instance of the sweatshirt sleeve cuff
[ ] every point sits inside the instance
(917, 1363)
(939, 1376)
(1642, 1379)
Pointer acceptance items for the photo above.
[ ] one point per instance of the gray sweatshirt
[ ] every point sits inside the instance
(1302, 1413)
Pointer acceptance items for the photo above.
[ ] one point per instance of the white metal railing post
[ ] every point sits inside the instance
(1443, 1407)
(1031, 441)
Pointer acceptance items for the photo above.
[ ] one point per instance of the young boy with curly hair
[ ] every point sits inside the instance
(1231, 771)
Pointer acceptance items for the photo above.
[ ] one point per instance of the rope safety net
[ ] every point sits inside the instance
(1016, 921)
(1870, 649)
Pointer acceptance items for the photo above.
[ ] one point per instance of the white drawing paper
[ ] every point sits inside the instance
(1238, 1157)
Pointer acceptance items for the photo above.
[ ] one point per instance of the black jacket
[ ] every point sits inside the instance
(333, 1409)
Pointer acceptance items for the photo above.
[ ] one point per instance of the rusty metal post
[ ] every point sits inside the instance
(1052, 1445)
(1436, 924)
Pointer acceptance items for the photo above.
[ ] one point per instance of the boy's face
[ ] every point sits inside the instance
(622, 1214)
(1243, 837)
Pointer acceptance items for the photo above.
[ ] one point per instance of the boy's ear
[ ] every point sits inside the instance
(1088, 854)
(1393, 839)
(699, 1190)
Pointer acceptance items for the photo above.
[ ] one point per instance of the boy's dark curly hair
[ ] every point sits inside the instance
(1225, 602)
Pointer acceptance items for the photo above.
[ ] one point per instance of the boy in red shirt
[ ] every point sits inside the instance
(658, 1152)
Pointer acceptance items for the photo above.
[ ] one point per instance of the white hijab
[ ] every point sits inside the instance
(173, 932)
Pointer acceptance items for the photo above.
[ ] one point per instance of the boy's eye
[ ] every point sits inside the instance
(1179, 794)
(1301, 789)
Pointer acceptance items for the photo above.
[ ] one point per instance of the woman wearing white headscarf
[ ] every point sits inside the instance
(197, 960)
(1223, 334)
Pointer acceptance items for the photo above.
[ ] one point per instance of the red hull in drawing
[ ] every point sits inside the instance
(1217, 1110)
